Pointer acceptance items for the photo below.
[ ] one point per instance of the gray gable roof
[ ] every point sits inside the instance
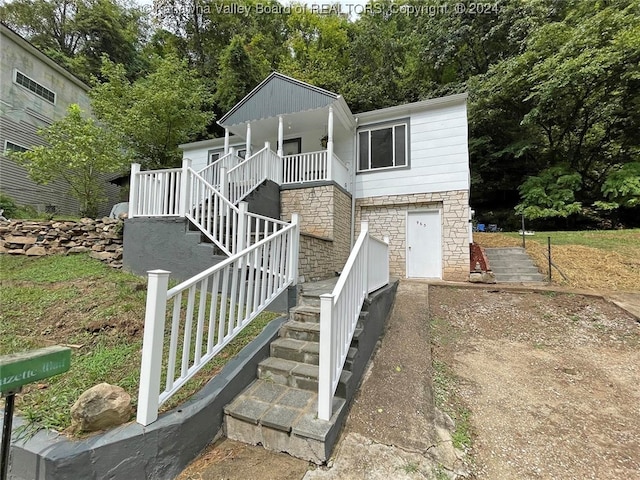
(277, 95)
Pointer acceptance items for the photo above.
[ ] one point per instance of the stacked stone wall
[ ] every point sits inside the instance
(101, 238)
(387, 217)
(325, 224)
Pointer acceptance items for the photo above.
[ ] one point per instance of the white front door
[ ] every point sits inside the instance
(424, 244)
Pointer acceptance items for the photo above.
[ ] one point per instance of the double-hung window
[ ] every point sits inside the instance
(383, 146)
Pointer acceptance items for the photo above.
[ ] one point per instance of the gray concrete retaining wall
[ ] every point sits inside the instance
(159, 451)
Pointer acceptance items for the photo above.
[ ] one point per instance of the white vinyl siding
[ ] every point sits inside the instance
(439, 156)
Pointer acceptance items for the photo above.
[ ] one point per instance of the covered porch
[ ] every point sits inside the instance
(309, 129)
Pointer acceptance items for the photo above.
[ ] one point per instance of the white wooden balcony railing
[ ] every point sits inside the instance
(207, 312)
(366, 270)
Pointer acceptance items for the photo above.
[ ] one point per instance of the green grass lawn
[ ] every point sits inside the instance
(96, 310)
(612, 240)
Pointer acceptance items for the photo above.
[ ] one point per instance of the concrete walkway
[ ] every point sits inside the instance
(393, 429)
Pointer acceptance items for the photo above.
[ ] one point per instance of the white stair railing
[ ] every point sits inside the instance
(207, 312)
(366, 270)
(211, 173)
(248, 175)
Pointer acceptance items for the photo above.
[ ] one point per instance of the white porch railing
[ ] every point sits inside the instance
(203, 323)
(305, 167)
(246, 176)
(366, 270)
(212, 172)
(155, 193)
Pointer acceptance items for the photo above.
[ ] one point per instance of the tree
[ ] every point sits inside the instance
(76, 33)
(563, 111)
(239, 73)
(154, 114)
(78, 151)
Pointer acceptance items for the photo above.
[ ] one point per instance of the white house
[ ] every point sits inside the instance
(404, 169)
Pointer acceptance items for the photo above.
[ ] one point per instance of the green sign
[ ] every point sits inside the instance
(19, 369)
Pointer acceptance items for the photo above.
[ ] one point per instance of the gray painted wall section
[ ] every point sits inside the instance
(159, 451)
(278, 96)
(152, 243)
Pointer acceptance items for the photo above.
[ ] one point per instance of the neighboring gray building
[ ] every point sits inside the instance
(34, 92)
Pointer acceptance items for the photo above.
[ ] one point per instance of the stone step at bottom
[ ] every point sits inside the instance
(505, 277)
(282, 419)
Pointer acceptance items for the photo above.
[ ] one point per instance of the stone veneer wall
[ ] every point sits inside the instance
(387, 216)
(101, 238)
(325, 224)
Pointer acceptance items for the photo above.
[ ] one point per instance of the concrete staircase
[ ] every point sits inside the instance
(513, 265)
(278, 410)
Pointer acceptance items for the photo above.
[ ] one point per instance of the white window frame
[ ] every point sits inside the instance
(6, 146)
(385, 126)
(15, 80)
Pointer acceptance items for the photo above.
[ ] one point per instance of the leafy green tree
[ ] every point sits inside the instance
(239, 73)
(154, 114)
(566, 106)
(78, 151)
(317, 49)
(76, 33)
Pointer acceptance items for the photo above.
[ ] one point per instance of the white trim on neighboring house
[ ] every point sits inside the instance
(17, 38)
(21, 148)
(25, 81)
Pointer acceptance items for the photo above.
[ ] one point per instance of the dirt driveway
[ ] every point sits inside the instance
(552, 382)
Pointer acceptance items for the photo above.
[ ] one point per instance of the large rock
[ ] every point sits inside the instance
(37, 251)
(101, 407)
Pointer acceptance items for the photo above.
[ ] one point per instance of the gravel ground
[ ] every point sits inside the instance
(551, 381)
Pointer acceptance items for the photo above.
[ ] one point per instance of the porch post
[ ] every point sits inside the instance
(248, 140)
(226, 141)
(280, 135)
(330, 144)
(133, 190)
(185, 194)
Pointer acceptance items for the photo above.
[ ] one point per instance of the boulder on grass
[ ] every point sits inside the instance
(101, 407)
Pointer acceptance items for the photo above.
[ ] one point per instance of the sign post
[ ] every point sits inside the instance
(18, 369)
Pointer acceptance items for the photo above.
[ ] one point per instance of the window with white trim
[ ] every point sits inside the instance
(383, 147)
(14, 147)
(35, 87)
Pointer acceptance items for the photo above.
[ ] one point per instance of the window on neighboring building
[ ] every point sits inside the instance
(383, 147)
(14, 147)
(35, 87)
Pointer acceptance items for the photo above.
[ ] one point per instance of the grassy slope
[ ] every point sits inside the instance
(99, 312)
(608, 260)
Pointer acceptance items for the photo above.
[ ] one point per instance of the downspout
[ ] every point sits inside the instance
(354, 164)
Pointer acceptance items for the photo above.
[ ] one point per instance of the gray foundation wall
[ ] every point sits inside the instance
(159, 451)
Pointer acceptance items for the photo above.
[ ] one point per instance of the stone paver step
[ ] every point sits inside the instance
(515, 278)
(297, 350)
(297, 375)
(308, 331)
(305, 313)
(513, 265)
